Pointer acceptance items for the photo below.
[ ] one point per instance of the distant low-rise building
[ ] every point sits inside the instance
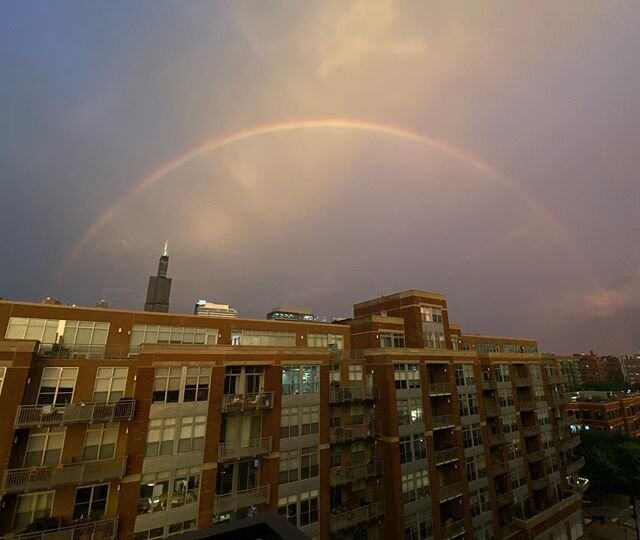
(610, 412)
(211, 309)
(599, 369)
(291, 313)
(570, 367)
(630, 364)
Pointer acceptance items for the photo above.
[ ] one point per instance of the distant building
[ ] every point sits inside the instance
(597, 369)
(570, 367)
(51, 300)
(102, 303)
(630, 364)
(159, 287)
(210, 309)
(291, 313)
(610, 412)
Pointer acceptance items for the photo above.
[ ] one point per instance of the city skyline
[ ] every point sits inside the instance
(318, 154)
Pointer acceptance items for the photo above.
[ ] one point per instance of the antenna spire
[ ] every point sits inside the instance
(165, 251)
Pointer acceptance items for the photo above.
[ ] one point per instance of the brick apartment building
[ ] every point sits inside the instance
(392, 424)
(598, 369)
(613, 413)
(631, 368)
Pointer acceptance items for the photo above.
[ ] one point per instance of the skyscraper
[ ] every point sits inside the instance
(159, 287)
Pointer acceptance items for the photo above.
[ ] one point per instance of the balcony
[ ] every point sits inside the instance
(362, 514)
(105, 529)
(354, 432)
(439, 389)
(569, 443)
(534, 457)
(557, 400)
(490, 384)
(230, 502)
(556, 379)
(531, 431)
(526, 406)
(540, 483)
(354, 393)
(574, 467)
(247, 402)
(347, 475)
(450, 491)
(34, 416)
(244, 449)
(41, 478)
(492, 411)
(522, 382)
(443, 421)
(499, 468)
(496, 439)
(446, 456)
(504, 499)
(453, 530)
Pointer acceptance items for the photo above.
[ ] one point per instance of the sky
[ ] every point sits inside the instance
(487, 151)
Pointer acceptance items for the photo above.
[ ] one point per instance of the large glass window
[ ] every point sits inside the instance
(415, 485)
(32, 507)
(431, 314)
(241, 380)
(468, 404)
(465, 375)
(110, 384)
(160, 437)
(90, 502)
(392, 339)
(100, 442)
(476, 468)
(181, 384)
(43, 330)
(185, 335)
(479, 501)
(303, 379)
(434, 340)
(300, 509)
(325, 340)
(186, 486)
(472, 436)
(57, 385)
(488, 348)
(410, 411)
(264, 338)
(406, 376)
(192, 430)
(502, 372)
(412, 448)
(44, 447)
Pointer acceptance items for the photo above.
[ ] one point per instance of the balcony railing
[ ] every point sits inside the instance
(235, 500)
(489, 384)
(557, 379)
(574, 467)
(527, 406)
(29, 416)
(445, 456)
(450, 491)
(105, 529)
(492, 411)
(443, 421)
(504, 499)
(362, 514)
(531, 431)
(247, 402)
(540, 483)
(496, 439)
(439, 389)
(453, 530)
(346, 475)
(244, 449)
(354, 432)
(57, 350)
(534, 457)
(499, 468)
(569, 443)
(522, 382)
(353, 393)
(40, 478)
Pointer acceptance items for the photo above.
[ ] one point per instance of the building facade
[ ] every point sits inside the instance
(600, 369)
(612, 413)
(139, 425)
(631, 368)
(570, 368)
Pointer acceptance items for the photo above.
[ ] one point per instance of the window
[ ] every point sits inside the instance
(181, 384)
(543, 416)
(3, 372)
(150, 534)
(44, 447)
(418, 526)
(415, 486)
(538, 393)
(308, 462)
(410, 411)
(289, 466)
(192, 430)
(511, 348)
(468, 404)
(298, 464)
(434, 340)
(32, 507)
(301, 509)
(110, 384)
(472, 436)
(90, 502)
(265, 338)
(412, 448)
(518, 477)
(488, 348)
(160, 437)
(43, 330)
(509, 423)
(310, 419)
(176, 529)
(186, 486)
(505, 396)
(406, 376)
(502, 372)
(355, 375)
(356, 414)
(85, 337)
(57, 385)
(479, 501)
(465, 375)
(289, 422)
(392, 339)
(431, 314)
(100, 442)
(325, 340)
(357, 452)
(476, 468)
(405, 449)
(513, 450)
(185, 335)
(536, 372)
(334, 376)
(300, 379)
(154, 492)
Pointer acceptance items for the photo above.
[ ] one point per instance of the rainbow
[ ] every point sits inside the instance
(302, 125)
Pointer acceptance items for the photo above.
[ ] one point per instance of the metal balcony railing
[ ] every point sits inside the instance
(346, 475)
(41, 478)
(453, 530)
(499, 468)
(522, 382)
(531, 431)
(489, 384)
(537, 455)
(574, 467)
(362, 514)
(105, 529)
(450, 491)
(540, 483)
(96, 352)
(353, 393)
(445, 456)
(243, 449)
(557, 379)
(496, 439)
(30, 416)
(492, 411)
(443, 421)
(504, 499)
(527, 406)
(569, 443)
(353, 432)
(247, 402)
(439, 389)
(230, 502)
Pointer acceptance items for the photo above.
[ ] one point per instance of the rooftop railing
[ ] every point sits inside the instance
(29, 416)
(40, 478)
